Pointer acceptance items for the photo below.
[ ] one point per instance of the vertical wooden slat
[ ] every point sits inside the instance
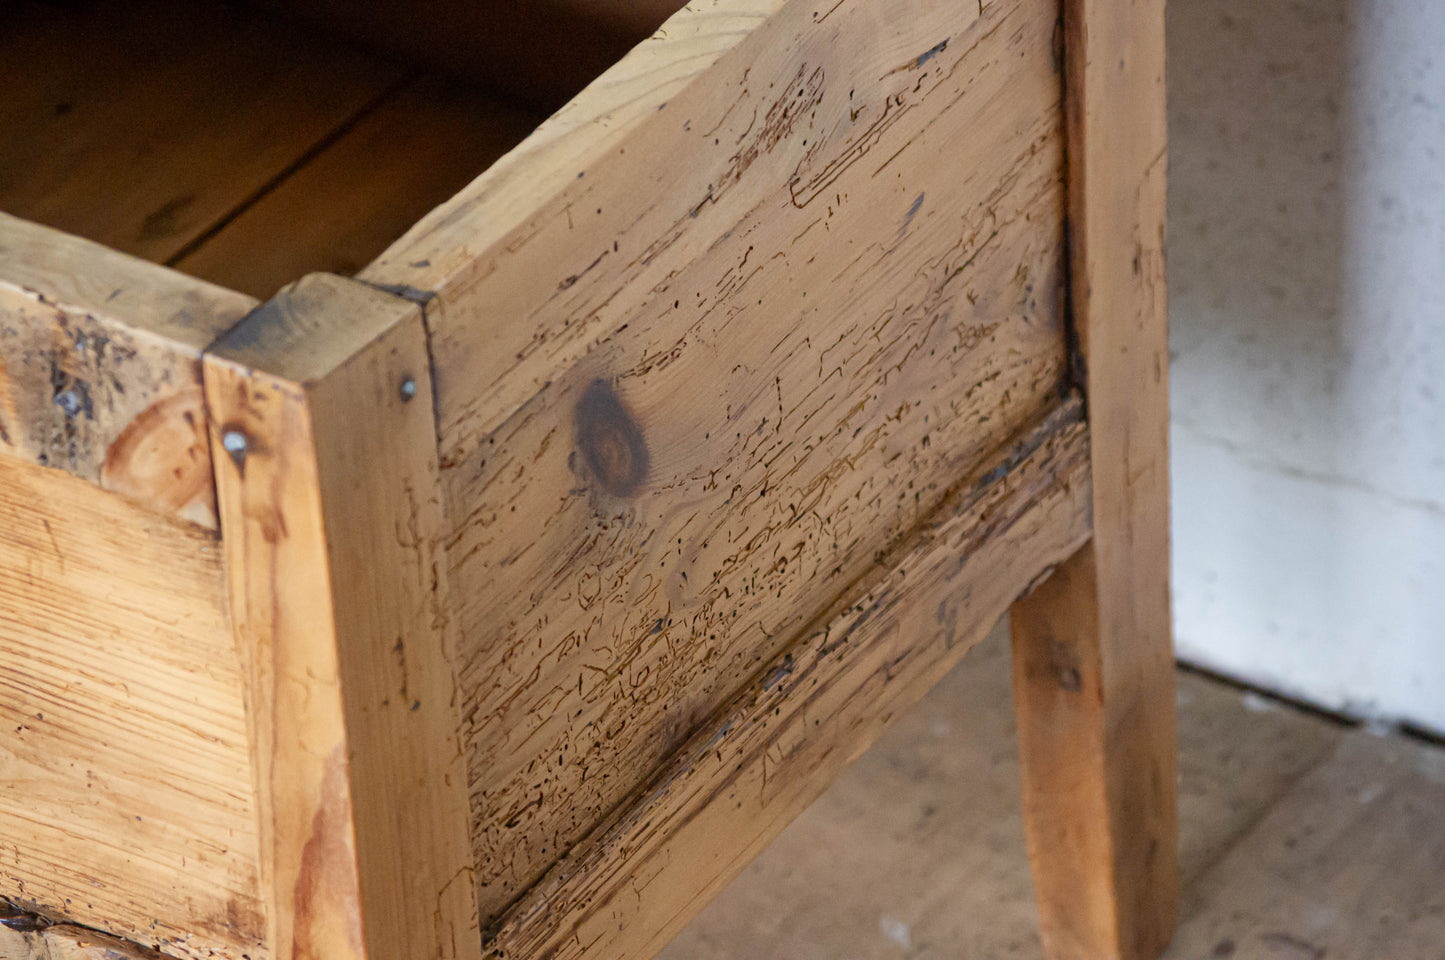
(325, 446)
(1093, 658)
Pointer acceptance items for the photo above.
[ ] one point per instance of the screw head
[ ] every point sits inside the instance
(408, 389)
(234, 441)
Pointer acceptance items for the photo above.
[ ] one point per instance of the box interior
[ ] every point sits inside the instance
(248, 146)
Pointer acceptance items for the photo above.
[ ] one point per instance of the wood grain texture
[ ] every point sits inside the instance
(336, 213)
(25, 936)
(141, 125)
(1095, 686)
(1347, 865)
(330, 503)
(125, 781)
(810, 712)
(796, 340)
(100, 367)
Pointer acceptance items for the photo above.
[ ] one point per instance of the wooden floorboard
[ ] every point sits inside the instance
(1300, 840)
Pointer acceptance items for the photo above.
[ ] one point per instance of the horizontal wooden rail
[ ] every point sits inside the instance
(777, 744)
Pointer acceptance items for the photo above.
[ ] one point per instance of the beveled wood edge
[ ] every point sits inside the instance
(637, 879)
(324, 440)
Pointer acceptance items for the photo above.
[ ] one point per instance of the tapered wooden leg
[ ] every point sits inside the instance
(1093, 663)
(1097, 742)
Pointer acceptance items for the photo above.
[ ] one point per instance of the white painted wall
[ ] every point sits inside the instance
(1307, 288)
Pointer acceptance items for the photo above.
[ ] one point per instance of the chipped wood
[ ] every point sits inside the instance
(100, 367)
(27, 936)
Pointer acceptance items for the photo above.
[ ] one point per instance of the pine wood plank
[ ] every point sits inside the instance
(772, 390)
(810, 712)
(100, 367)
(344, 207)
(1095, 683)
(139, 125)
(127, 801)
(323, 433)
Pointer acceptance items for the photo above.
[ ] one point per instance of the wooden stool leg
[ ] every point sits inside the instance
(1093, 665)
(1097, 743)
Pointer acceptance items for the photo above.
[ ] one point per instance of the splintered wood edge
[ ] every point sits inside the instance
(100, 367)
(324, 439)
(777, 744)
(26, 936)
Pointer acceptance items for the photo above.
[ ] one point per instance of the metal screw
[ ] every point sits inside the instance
(408, 389)
(68, 401)
(234, 442)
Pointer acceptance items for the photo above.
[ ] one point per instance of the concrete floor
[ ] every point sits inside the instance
(1301, 839)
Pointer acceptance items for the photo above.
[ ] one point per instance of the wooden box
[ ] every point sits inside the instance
(626, 435)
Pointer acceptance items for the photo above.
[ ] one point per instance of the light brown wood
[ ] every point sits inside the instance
(773, 389)
(327, 482)
(100, 367)
(783, 738)
(127, 800)
(340, 210)
(1095, 691)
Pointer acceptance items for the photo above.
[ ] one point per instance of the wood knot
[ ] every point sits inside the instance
(610, 442)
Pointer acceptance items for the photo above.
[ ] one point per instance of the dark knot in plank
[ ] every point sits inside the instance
(610, 442)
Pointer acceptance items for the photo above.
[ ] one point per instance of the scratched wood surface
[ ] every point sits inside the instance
(786, 735)
(736, 377)
(329, 497)
(100, 367)
(127, 798)
(1093, 646)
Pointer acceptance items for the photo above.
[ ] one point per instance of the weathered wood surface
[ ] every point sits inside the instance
(127, 795)
(25, 936)
(142, 125)
(1095, 688)
(1347, 865)
(327, 481)
(337, 212)
(100, 367)
(781, 740)
(752, 345)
